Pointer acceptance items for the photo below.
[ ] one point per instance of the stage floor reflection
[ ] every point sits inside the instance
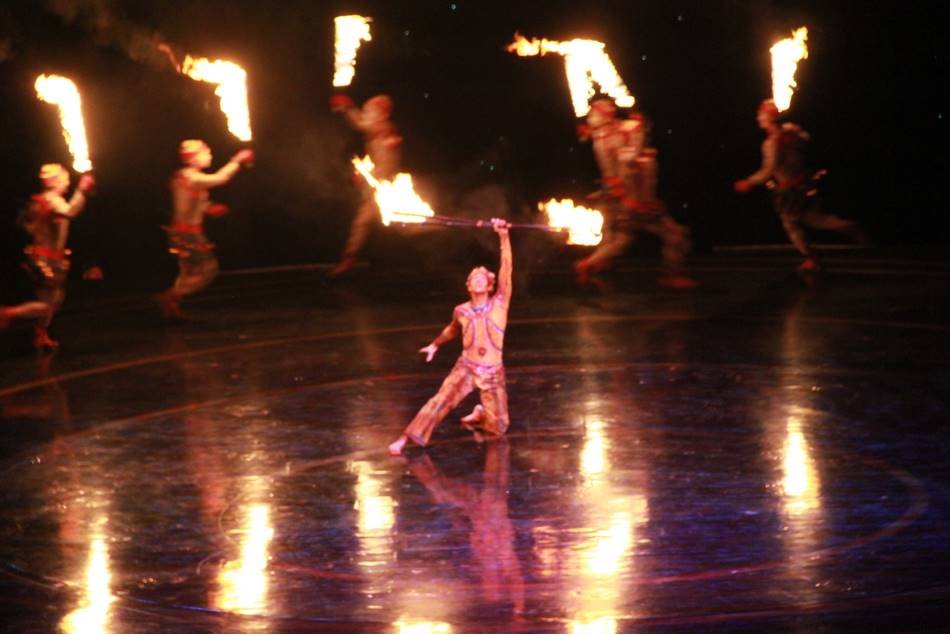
(749, 455)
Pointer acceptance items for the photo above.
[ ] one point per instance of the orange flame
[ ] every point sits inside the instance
(350, 31)
(586, 63)
(232, 90)
(63, 93)
(785, 57)
(396, 199)
(585, 226)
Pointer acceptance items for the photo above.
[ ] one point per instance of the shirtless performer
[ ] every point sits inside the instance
(47, 221)
(628, 169)
(382, 146)
(793, 185)
(481, 321)
(197, 266)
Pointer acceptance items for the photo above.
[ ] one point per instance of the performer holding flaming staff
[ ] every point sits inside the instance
(197, 265)
(628, 169)
(46, 219)
(481, 321)
(382, 145)
(793, 184)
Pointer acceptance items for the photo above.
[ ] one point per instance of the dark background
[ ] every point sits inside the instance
(486, 132)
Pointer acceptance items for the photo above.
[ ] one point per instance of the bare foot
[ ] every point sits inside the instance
(475, 416)
(677, 281)
(170, 303)
(343, 267)
(43, 342)
(395, 449)
(471, 422)
(6, 317)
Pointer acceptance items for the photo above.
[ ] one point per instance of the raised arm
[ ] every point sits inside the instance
(504, 288)
(199, 180)
(448, 333)
(77, 202)
(345, 106)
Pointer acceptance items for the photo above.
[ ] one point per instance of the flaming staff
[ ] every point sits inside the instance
(350, 31)
(586, 63)
(398, 202)
(231, 82)
(785, 57)
(62, 92)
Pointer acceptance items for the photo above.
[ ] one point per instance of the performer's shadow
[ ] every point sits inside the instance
(490, 531)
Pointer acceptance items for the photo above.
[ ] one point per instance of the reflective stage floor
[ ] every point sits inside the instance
(756, 454)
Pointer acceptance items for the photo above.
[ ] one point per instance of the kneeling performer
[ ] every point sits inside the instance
(481, 322)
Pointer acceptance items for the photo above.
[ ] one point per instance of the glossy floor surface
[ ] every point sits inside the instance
(755, 454)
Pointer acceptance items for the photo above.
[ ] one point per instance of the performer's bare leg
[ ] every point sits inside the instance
(52, 297)
(34, 310)
(792, 222)
(614, 244)
(829, 222)
(675, 241)
(366, 216)
(192, 278)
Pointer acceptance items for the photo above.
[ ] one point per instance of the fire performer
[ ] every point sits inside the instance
(481, 321)
(197, 265)
(382, 145)
(628, 169)
(793, 184)
(46, 219)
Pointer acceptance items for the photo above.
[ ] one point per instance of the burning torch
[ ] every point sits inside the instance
(231, 88)
(62, 93)
(351, 31)
(785, 57)
(586, 62)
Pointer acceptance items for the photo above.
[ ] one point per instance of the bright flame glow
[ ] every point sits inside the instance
(586, 63)
(422, 627)
(606, 554)
(799, 480)
(376, 511)
(396, 199)
(93, 615)
(62, 92)
(594, 454)
(584, 226)
(231, 80)
(785, 57)
(603, 625)
(244, 581)
(350, 31)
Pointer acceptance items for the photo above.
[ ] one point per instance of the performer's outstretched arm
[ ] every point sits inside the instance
(448, 334)
(201, 180)
(345, 106)
(355, 118)
(505, 267)
(77, 202)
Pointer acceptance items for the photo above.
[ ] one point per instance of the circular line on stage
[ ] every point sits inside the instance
(511, 370)
(917, 493)
(269, 343)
